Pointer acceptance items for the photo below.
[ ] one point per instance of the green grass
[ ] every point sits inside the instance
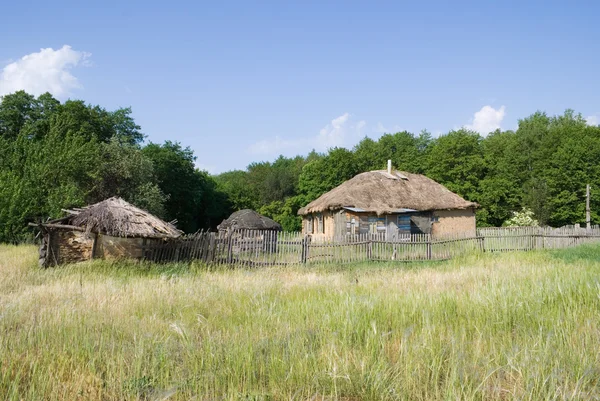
(505, 326)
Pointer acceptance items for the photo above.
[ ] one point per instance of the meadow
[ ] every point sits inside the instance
(522, 325)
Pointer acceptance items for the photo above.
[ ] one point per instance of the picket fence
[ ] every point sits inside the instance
(270, 248)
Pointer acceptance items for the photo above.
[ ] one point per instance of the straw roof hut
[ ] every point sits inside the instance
(248, 219)
(118, 218)
(388, 202)
(384, 193)
(108, 229)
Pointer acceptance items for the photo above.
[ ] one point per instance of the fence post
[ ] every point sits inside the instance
(177, 250)
(370, 249)
(211, 253)
(305, 247)
(429, 248)
(481, 241)
(95, 247)
(230, 248)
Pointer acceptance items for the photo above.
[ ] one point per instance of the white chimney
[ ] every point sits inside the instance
(389, 167)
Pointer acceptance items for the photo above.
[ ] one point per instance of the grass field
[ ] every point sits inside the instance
(507, 326)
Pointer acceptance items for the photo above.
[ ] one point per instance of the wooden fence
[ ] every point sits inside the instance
(269, 248)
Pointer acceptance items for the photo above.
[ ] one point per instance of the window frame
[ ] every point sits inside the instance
(320, 224)
(309, 225)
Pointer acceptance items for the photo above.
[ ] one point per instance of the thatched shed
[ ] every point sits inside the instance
(112, 228)
(389, 203)
(248, 219)
(246, 224)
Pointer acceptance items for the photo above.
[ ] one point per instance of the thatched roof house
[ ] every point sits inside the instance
(383, 193)
(248, 219)
(388, 202)
(111, 228)
(118, 218)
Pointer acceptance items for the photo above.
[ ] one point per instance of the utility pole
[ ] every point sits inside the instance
(588, 224)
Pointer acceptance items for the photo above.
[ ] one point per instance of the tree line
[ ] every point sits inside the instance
(542, 167)
(57, 155)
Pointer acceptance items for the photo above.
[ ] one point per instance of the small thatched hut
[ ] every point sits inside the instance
(248, 219)
(112, 228)
(260, 231)
(391, 204)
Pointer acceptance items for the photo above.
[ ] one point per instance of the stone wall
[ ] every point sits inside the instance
(69, 247)
(75, 246)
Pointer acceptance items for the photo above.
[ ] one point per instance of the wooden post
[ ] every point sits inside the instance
(55, 258)
(44, 250)
(305, 248)
(588, 224)
(176, 251)
(212, 249)
(481, 241)
(429, 248)
(95, 245)
(229, 248)
(370, 249)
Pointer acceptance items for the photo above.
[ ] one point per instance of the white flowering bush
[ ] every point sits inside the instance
(523, 218)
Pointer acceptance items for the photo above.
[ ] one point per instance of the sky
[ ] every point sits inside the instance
(243, 82)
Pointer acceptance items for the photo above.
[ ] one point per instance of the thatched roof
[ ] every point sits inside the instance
(384, 193)
(248, 219)
(117, 218)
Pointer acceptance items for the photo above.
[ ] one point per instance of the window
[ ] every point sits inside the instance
(376, 224)
(309, 225)
(352, 228)
(414, 223)
(352, 225)
(404, 223)
(320, 224)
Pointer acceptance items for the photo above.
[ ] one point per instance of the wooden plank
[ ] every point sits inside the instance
(63, 226)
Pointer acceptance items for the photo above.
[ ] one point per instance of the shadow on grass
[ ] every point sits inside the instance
(125, 268)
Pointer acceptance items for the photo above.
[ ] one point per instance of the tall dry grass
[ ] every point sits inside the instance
(514, 326)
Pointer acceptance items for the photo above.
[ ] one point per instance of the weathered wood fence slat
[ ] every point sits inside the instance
(271, 248)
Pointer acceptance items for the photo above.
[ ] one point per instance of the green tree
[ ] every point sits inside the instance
(456, 161)
(367, 155)
(402, 149)
(177, 179)
(22, 113)
(126, 172)
(235, 184)
(44, 176)
(322, 175)
(284, 212)
(501, 189)
(214, 204)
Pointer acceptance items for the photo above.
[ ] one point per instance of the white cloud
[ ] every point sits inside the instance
(334, 133)
(341, 131)
(381, 129)
(274, 146)
(487, 120)
(209, 168)
(592, 120)
(45, 71)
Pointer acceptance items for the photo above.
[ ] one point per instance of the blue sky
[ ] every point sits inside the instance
(241, 82)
